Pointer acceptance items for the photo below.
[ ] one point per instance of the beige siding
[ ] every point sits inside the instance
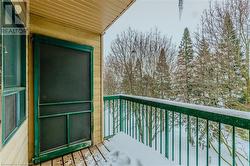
(43, 26)
(15, 152)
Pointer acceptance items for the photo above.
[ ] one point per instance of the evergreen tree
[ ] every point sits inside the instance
(183, 75)
(230, 59)
(205, 83)
(162, 77)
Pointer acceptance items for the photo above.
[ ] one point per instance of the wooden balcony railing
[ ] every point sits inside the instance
(185, 133)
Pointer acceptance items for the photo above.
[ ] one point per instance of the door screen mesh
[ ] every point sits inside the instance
(64, 108)
(53, 132)
(65, 74)
(80, 127)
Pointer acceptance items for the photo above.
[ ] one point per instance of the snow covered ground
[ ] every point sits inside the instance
(126, 151)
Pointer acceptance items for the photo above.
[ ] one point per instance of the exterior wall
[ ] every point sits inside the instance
(15, 151)
(39, 25)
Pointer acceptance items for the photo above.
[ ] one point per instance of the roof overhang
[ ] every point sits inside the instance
(91, 15)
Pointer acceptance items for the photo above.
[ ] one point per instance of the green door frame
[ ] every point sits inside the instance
(43, 156)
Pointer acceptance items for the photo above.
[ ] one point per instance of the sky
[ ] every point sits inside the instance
(144, 15)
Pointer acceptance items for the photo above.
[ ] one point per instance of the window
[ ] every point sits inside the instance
(13, 83)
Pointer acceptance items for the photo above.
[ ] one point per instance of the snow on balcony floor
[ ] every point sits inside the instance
(126, 151)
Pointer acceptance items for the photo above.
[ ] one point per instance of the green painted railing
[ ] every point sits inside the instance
(184, 133)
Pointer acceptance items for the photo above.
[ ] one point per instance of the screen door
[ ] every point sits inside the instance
(64, 70)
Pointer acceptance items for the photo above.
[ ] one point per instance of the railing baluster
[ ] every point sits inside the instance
(233, 146)
(139, 123)
(130, 120)
(147, 127)
(207, 130)
(104, 120)
(127, 118)
(197, 141)
(133, 120)
(219, 144)
(150, 127)
(180, 138)
(156, 128)
(113, 112)
(109, 117)
(136, 122)
(143, 123)
(172, 135)
(121, 115)
(188, 137)
(124, 110)
(117, 116)
(161, 130)
(166, 135)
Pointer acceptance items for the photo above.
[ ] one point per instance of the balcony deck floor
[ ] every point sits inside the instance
(93, 156)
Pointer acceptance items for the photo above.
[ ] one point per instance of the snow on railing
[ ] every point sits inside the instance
(185, 133)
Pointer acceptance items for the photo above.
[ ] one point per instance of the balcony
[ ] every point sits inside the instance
(184, 133)
(179, 133)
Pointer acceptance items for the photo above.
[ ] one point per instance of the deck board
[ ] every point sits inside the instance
(68, 160)
(89, 159)
(104, 151)
(79, 161)
(107, 145)
(58, 161)
(92, 156)
(97, 156)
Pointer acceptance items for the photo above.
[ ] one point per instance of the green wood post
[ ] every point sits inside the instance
(197, 141)
(113, 113)
(133, 120)
(156, 131)
(207, 127)
(147, 126)
(166, 135)
(104, 107)
(219, 144)
(143, 123)
(136, 122)
(150, 127)
(172, 135)
(121, 115)
(188, 137)
(161, 130)
(233, 146)
(126, 120)
(109, 117)
(130, 114)
(180, 138)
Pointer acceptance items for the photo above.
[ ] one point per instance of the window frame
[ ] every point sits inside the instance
(19, 91)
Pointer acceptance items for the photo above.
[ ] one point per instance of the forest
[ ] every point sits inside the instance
(210, 66)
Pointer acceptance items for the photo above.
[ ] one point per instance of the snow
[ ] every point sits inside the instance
(214, 110)
(126, 151)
